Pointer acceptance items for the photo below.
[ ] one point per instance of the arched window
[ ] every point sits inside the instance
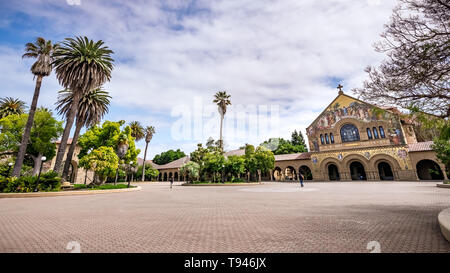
(321, 139)
(375, 132)
(349, 133)
(382, 134)
(327, 140)
(331, 137)
(369, 133)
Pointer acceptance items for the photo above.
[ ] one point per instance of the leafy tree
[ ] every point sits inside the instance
(150, 172)
(265, 160)
(281, 146)
(109, 134)
(149, 132)
(168, 156)
(191, 170)
(251, 165)
(417, 69)
(92, 107)
(41, 50)
(103, 161)
(297, 139)
(222, 99)
(235, 166)
(81, 65)
(11, 106)
(44, 132)
(214, 164)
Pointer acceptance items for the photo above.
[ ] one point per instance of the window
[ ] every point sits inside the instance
(349, 133)
(327, 140)
(331, 137)
(321, 139)
(369, 133)
(375, 132)
(382, 134)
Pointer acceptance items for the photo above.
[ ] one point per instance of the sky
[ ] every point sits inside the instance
(279, 60)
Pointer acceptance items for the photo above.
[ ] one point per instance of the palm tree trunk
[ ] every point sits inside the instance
(37, 163)
(221, 126)
(27, 133)
(143, 164)
(66, 133)
(76, 135)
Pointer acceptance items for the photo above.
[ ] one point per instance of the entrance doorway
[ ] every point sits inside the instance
(357, 171)
(333, 172)
(429, 170)
(385, 171)
(306, 172)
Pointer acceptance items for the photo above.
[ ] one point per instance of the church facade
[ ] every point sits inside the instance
(354, 140)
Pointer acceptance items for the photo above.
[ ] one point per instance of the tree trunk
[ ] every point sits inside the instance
(221, 138)
(76, 135)
(143, 163)
(27, 132)
(65, 137)
(37, 163)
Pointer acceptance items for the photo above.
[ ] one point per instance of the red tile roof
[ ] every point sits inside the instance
(293, 156)
(419, 147)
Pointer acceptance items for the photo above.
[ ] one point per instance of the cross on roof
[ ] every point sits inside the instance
(340, 89)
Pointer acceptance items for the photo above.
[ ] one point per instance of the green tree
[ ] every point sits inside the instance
(81, 65)
(297, 139)
(168, 156)
(150, 172)
(149, 132)
(281, 146)
(191, 170)
(41, 50)
(235, 166)
(92, 106)
(251, 165)
(137, 131)
(44, 132)
(222, 99)
(214, 164)
(265, 160)
(11, 106)
(103, 161)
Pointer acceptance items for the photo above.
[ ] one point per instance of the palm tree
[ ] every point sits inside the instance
(222, 99)
(91, 109)
(81, 65)
(149, 132)
(11, 106)
(137, 131)
(42, 50)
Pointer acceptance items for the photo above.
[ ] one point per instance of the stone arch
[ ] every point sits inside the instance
(423, 168)
(277, 174)
(376, 160)
(349, 159)
(170, 175)
(325, 168)
(160, 176)
(306, 172)
(290, 173)
(367, 172)
(165, 176)
(175, 176)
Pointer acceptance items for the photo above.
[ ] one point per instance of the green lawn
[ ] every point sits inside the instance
(102, 187)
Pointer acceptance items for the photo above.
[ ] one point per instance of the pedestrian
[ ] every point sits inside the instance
(171, 182)
(301, 179)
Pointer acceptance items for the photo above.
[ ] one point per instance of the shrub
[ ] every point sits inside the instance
(22, 184)
(49, 181)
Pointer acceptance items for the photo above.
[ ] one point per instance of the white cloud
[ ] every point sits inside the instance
(261, 52)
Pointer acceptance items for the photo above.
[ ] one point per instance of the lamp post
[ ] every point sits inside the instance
(129, 181)
(39, 175)
(223, 170)
(85, 176)
(10, 164)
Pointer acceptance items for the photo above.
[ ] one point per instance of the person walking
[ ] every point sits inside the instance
(300, 177)
(171, 182)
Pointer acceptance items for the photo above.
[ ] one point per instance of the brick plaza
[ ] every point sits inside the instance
(272, 217)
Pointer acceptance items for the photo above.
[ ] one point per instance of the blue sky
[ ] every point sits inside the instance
(170, 54)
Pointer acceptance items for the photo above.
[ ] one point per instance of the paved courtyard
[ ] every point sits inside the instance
(273, 217)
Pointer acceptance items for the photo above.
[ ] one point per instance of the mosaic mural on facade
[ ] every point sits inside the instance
(344, 107)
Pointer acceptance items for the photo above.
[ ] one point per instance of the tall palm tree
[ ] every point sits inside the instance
(91, 109)
(222, 99)
(149, 132)
(11, 106)
(137, 131)
(80, 65)
(42, 50)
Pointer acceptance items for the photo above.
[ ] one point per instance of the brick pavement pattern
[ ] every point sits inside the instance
(273, 217)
